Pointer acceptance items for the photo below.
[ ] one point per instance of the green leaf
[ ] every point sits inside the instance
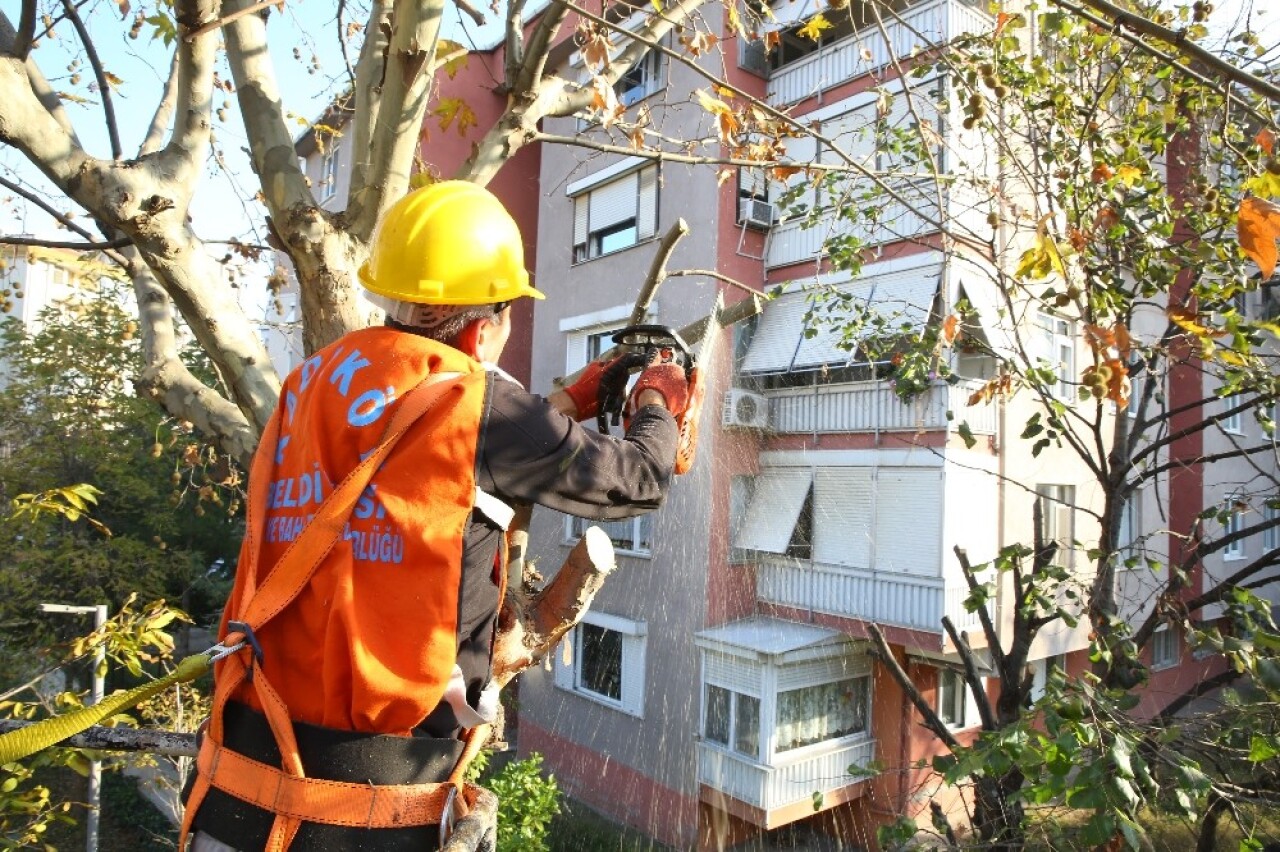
(966, 434)
(1261, 748)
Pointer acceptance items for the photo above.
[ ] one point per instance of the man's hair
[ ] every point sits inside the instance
(448, 329)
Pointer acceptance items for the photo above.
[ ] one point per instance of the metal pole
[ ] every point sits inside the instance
(95, 766)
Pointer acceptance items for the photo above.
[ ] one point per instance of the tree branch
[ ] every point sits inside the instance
(104, 88)
(883, 653)
(1179, 41)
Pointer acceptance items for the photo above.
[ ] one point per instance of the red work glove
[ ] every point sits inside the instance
(667, 379)
(597, 380)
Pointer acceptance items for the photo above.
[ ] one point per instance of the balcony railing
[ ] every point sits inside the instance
(772, 787)
(882, 597)
(874, 407)
(869, 50)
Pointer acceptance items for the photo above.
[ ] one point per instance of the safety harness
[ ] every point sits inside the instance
(286, 791)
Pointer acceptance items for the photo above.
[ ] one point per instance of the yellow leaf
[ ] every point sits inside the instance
(813, 29)
(453, 110)
(1128, 175)
(735, 20)
(1259, 227)
(605, 99)
(1265, 185)
(657, 5)
(1188, 320)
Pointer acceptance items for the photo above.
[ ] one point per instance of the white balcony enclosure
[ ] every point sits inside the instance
(907, 32)
(874, 407)
(786, 713)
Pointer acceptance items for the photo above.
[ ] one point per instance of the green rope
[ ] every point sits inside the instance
(24, 742)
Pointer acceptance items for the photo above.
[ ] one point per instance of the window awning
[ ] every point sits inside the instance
(775, 508)
(902, 299)
(768, 637)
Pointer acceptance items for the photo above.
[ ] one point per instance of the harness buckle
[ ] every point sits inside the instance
(447, 819)
(242, 627)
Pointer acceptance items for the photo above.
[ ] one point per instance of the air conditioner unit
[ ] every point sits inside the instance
(755, 213)
(744, 409)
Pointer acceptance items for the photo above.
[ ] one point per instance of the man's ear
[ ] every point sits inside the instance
(469, 338)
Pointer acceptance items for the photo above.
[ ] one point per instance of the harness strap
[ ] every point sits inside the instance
(265, 600)
(318, 800)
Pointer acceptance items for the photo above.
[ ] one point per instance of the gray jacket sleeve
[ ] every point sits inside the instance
(531, 453)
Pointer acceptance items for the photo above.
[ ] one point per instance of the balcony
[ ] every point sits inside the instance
(772, 789)
(883, 597)
(869, 50)
(912, 213)
(874, 407)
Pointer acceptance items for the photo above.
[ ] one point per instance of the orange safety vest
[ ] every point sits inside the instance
(347, 591)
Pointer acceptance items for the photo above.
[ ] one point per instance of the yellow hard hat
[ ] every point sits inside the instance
(450, 243)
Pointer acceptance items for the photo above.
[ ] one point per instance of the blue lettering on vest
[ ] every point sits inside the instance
(280, 449)
(290, 404)
(346, 370)
(375, 401)
(309, 368)
(365, 505)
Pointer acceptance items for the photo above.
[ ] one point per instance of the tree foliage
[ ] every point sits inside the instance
(166, 504)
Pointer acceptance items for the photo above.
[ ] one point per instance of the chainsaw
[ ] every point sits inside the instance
(639, 346)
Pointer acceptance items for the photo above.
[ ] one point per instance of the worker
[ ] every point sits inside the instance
(372, 669)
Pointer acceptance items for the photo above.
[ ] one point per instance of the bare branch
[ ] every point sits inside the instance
(100, 738)
(932, 721)
(971, 676)
(657, 270)
(104, 88)
(117, 243)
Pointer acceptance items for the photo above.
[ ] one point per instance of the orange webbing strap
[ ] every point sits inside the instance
(292, 572)
(318, 800)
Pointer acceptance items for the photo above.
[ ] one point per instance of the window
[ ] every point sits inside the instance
(1042, 670)
(817, 714)
(616, 215)
(629, 535)
(1164, 648)
(740, 490)
(792, 47)
(836, 515)
(1128, 535)
(952, 698)
(1056, 349)
(643, 80)
(1233, 422)
(801, 544)
(732, 720)
(604, 660)
(1057, 516)
(1232, 523)
(329, 170)
(1271, 535)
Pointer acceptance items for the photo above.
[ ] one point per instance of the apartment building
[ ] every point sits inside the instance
(722, 687)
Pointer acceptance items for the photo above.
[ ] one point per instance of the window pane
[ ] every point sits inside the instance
(950, 697)
(601, 661)
(820, 713)
(746, 733)
(616, 238)
(716, 728)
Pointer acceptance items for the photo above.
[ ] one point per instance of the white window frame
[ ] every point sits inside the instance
(1270, 536)
(643, 79)
(955, 703)
(731, 743)
(1057, 503)
(1056, 346)
(1235, 422)
(1129, 536)
(1165, 653)
(589, 238)
(569, 659)
(1233, 523)
(329, 169)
